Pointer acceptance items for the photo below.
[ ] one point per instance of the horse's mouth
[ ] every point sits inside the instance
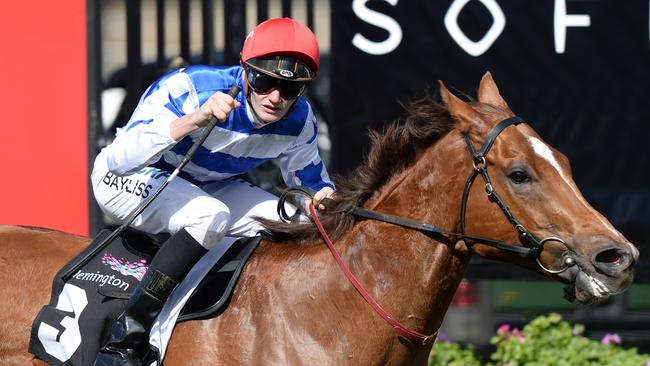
(592, 279)
(586, 288)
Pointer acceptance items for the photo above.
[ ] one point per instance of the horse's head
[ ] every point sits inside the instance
(533, 182)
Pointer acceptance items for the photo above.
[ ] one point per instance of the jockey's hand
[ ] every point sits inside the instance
(325, 192)
(218, 105)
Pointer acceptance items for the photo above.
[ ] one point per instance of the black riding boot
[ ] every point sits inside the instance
(128, 343)
(129, 337)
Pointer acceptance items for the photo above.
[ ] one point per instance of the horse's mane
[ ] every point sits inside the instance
(391, 151)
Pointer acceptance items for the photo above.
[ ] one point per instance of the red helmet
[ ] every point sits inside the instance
(282, 37)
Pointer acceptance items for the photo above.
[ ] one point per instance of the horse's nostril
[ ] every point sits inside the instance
(613, 261)
(611, 256)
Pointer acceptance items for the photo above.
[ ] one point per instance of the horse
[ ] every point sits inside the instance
(294, 306)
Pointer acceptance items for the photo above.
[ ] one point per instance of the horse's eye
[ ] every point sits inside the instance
(519, 177)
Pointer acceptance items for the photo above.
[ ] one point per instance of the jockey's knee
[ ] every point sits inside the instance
(207, 221)
(208, 230)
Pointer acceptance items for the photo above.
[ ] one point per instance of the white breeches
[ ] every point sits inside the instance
(208, 212)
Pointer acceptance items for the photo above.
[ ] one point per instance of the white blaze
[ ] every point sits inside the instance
(545, 152)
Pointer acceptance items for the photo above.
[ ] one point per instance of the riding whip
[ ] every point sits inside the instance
(234, 90)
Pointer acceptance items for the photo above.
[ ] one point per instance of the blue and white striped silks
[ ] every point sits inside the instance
(234, 147)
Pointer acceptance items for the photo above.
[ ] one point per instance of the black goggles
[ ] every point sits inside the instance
(263, 84)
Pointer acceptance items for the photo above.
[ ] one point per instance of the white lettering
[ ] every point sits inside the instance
(380, 20)
(562, 20)
(102, 279)
(482, 45)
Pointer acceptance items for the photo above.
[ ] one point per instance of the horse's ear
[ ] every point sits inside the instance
(462, 112)
(488, 93)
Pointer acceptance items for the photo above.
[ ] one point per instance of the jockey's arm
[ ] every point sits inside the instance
(302, 165)
(158, 123)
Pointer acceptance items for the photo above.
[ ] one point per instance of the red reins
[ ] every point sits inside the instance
(397, 326)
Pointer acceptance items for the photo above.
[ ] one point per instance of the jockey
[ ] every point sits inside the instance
(272, 119)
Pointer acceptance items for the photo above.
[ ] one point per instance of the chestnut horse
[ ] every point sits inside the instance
(293, 305)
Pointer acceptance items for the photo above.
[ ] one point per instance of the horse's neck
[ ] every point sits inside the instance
(431, 189)
(409, 273)
(420, 271)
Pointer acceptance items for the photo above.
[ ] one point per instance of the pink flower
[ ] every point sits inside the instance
(519, 335)
(503, 329)
(610, 338)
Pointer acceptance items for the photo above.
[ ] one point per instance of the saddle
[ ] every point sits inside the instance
(70, 329)
(214, 291)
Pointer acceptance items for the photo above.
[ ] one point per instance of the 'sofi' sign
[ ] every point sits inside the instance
(561, 21)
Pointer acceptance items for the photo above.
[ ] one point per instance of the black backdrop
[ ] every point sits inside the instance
(589, 100)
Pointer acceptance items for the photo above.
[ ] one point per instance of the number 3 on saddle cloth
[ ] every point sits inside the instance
(73, 326)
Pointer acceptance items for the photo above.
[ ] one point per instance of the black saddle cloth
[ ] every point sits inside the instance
(71, 328)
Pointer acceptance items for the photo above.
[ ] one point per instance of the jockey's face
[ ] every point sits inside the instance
(270, 107)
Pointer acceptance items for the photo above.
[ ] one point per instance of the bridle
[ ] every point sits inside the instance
(534, 245)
